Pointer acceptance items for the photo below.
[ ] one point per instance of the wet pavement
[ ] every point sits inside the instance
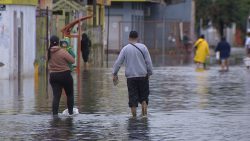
(184, 105)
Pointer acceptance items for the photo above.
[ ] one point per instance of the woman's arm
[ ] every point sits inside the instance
(69, 58)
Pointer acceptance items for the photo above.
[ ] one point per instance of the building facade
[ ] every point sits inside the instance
(161, 24)
(18, 38)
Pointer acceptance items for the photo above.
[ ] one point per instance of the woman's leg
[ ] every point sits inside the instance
(69, 90)
(57, 91)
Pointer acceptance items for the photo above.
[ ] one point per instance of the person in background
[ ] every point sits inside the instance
(138, 68)
(201, 53)
(1, 64)
(60, 74)
(85, 48)
(224, 50)
(247, 43)
(186, 42)
(247, 46)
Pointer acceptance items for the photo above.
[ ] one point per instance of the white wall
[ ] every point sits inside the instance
(7, 40)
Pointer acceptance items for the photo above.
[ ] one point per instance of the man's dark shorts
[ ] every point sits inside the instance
(138, 90)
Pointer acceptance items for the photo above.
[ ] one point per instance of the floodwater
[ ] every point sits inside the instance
(184, 105)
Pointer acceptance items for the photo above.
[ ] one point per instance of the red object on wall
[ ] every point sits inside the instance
(67, 29)
(238, 38)
(67, 33)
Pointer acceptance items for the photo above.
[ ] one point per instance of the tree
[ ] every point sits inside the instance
(222, 13)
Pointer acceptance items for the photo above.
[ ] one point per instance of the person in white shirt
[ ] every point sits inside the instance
(247, 42)
(247, 46)
(138, 68)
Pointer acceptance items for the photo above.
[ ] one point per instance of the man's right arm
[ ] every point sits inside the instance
(118, 62)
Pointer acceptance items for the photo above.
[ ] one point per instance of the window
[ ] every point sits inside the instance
(174, 1)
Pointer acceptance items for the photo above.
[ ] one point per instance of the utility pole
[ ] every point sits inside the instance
(108, 40)
(94, 13)
(47, 47)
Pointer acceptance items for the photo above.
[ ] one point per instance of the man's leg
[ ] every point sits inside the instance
(133, 111)
(144, 108)
(69, 90)
(227, 64)
(222, 64)
(133, 95)
(144, 94)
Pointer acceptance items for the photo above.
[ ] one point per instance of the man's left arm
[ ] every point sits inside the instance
(118, 63)
(148, 62)
(117, 66)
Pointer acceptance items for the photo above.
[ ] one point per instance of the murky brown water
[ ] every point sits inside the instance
(184, 105)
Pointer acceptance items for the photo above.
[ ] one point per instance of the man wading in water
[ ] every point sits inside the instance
(138, 68)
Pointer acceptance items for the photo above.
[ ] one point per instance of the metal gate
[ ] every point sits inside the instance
(156, 35)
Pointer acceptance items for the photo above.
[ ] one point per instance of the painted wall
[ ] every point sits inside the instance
(156, 23)
(180, 11)
(183, 12)
(17, 34)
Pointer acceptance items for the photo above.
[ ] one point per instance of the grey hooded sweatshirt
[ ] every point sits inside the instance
(135, 64)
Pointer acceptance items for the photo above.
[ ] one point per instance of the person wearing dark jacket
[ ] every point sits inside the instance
(224, 50)
(85, 48)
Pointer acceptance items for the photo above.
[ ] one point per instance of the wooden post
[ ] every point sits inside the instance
(47, 47)
(94, 13)
(79, 48)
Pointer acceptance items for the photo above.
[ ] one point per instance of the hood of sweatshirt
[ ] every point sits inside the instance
(54, 49)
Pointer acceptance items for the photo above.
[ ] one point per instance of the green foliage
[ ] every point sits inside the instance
(223, 12)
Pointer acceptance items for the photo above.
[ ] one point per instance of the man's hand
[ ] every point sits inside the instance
(115, 80)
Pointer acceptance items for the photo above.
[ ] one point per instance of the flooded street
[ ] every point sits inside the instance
(184, 105)
(38, 36)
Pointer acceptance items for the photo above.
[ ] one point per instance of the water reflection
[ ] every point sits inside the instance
(184, 105)
(171, 60)
(98, 93)
(61, 128)
(202, 88)
(138, 129)
(88, 92)
(17, 96)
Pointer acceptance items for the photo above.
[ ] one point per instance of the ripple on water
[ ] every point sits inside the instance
(184, 105)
